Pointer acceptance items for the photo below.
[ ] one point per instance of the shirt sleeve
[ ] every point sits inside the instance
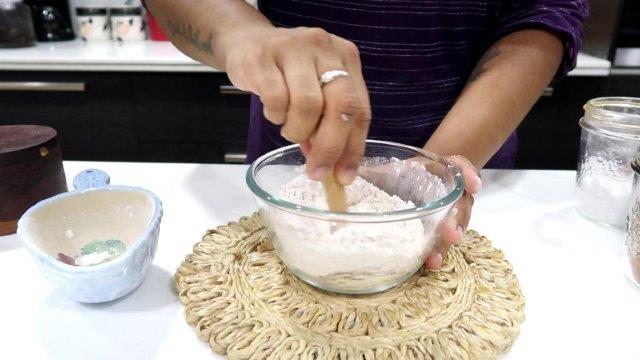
(561, 17)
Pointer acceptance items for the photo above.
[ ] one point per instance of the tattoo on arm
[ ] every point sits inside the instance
(479, 69)
(186, 32)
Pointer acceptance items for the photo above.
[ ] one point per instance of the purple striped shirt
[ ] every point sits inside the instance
(417, 55)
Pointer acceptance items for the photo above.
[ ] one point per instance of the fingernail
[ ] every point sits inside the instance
(454, 212)
(346, 177)
(478, 184)
(438, 257)
(318, 173)
(460, 232)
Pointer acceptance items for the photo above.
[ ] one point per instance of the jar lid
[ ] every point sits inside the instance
(89, 11)
(21, 142)
(614, 116)
(126, 10)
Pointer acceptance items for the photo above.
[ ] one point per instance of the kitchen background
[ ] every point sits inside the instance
(142, 100)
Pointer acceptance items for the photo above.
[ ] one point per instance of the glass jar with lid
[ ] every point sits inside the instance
(609, 140)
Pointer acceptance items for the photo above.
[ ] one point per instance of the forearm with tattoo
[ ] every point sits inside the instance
(501, 89)
(481, 66)
(206, 30)
(191, 35)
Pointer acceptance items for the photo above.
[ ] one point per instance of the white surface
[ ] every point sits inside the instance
(155, 56)
(579, 305)
(627, 57)
(588, 65)
(100, 56)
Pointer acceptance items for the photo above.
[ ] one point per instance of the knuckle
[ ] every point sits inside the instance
(275, 100)
(351, 51)
(354, 106)
(273, 116)
(307, 101)
(274, 109)
(316, 36)
(288, 132)
(363, 116)
(329, 153)
(279, 41)
(297, 139)
(349, 104)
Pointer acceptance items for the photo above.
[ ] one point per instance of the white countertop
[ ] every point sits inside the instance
(78, 55)
(579, 304)
(589, 65)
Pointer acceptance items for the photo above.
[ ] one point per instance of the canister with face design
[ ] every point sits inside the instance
(128, 24)
(93, 23)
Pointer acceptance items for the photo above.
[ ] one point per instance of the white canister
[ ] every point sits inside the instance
(93, 23)
(128, 24)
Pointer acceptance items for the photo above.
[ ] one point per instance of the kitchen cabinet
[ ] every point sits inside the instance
(115, 116)
(195, 118)
(92, 112)
(549, 136)
(623, 85)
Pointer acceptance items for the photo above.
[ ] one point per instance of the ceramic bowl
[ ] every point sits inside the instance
(94, 211)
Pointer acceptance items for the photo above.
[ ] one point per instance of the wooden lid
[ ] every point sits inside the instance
(20, 137)
(22, 142)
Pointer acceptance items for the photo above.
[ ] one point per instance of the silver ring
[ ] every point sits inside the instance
(329, 76)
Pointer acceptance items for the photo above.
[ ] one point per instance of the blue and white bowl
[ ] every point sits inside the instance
(94, 211)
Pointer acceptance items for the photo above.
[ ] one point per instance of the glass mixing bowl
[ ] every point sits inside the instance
(358, 252)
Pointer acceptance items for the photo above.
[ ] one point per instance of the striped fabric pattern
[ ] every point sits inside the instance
(417, 55)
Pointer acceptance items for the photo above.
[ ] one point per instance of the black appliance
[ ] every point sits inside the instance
(16, 26)
(51, 19)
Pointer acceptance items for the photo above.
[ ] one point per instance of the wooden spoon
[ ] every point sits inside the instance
(336, 197)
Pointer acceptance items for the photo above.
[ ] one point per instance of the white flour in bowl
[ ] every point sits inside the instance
(351, 257)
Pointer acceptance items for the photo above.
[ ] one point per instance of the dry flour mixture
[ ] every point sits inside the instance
(351, 252)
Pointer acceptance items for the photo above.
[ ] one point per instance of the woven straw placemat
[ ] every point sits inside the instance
(241, 300)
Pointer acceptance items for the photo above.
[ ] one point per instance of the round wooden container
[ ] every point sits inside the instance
(30, 170)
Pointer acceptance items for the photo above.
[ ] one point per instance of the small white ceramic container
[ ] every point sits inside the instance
(94, 23)
(94, 211)
(128, 24)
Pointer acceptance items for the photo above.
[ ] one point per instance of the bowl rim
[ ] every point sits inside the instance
(30, 244)
(386, 216)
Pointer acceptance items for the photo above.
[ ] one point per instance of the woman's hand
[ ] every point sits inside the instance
(283, 67)
(452, 229)
(403, 180)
